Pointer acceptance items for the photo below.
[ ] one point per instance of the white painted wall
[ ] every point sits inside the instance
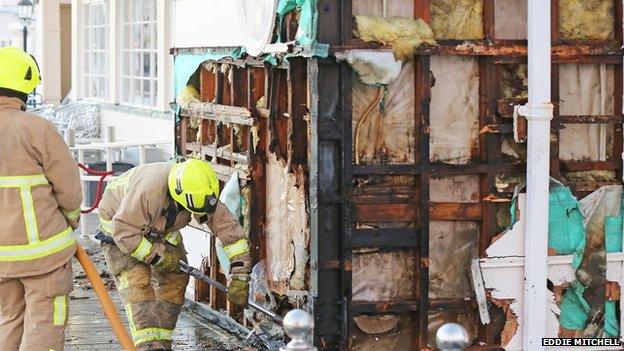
(49, 40)
(130, 126)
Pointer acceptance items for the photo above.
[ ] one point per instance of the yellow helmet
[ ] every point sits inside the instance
(18, 70)
(194, 185)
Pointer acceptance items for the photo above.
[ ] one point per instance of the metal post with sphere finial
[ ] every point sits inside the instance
(452, 337)
(299, 326)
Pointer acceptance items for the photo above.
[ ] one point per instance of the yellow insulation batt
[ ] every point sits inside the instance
(404, 35)
(586, 19)
(457, 19)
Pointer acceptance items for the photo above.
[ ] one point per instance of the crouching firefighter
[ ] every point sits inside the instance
(141, 213)
(40, 196)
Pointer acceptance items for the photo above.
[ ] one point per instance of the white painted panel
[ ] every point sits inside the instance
(224, 23)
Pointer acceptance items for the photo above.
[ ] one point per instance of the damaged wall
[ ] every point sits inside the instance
(454, 109)
(448, 274)
(287, 231)
(586, 90)
(383, 120)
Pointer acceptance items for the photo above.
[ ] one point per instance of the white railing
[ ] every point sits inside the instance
(111, 149)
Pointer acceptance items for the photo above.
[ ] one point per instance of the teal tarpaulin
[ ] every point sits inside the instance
(185, 64)
(306, 34)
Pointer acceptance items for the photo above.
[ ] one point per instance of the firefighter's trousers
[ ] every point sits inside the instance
(34, 310)
(153, 300)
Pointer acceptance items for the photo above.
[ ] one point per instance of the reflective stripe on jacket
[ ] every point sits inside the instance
(40, 194)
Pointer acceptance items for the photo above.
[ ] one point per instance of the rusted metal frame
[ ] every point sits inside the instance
(217, 298)
(218, 113)
(476, 168)
(605, 59)
(181, 137)
(206, 90)
(456, 211)
(298, 127)
(385, 237)
(571, 166)
(489, 143)
(439, 305)
(347, 210)
(330, 303)
(481, 48)
(422, 91)
(372, 212)
(402, 197)
(387, 169)
(402, 306)
(618, 91)
(437, 169)
(590, 119)
(555, 124)
(394, 306)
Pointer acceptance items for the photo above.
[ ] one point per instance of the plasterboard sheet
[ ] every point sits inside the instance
(458, 188)
(454, 119)
(383, 276)
(585, 89)
(452, 247)
(510, 19)
(388, 136)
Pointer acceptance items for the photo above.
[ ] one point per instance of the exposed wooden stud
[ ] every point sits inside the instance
(422, 91)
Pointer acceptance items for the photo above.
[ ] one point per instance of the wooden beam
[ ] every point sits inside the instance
(592, 119)
(219, 113)
(448, 211)
(385, 237)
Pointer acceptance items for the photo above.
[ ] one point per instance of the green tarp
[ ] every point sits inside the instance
(567, 236)
(185, 64)
(306, 34)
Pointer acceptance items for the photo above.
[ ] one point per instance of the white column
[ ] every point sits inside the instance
(114, 47)
(76, 47)
(49, 30)
(539, 113)
(165, 61)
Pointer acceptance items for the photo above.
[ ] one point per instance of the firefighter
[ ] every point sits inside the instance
(40, 196)
(141, 214)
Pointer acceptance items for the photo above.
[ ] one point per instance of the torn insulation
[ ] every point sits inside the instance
(457, 19)
(404, 35)
(586, 19)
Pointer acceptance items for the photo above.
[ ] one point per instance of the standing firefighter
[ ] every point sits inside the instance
(40, 198)
(141, 214)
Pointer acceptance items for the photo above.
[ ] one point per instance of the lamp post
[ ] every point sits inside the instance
(25, 11)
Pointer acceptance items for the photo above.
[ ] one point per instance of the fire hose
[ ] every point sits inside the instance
(96, 282)
(100, 186)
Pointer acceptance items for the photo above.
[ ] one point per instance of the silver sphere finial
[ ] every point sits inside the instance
(452, 337)
(299, 326)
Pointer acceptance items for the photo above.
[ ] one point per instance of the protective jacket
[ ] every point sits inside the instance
(40, 194)
(136, 209)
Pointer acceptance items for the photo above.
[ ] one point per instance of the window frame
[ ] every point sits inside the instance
(163, 78)
(88, 52)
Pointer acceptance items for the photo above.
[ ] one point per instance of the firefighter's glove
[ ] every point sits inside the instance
(238, 290)
(169, 262)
